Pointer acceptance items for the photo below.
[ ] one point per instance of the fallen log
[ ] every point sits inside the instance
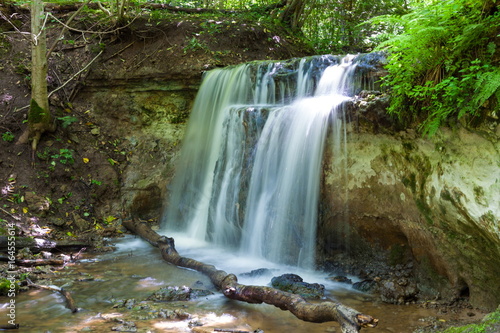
(350, 320)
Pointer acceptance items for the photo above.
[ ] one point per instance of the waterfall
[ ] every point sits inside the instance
(248, 175)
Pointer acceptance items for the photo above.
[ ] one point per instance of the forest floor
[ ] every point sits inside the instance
(60, 192)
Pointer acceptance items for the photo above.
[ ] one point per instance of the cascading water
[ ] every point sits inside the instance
(249, 171)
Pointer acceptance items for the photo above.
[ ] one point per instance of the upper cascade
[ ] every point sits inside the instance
(249, 171)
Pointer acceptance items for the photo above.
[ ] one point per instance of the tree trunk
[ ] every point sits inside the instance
(292, 14)
(350, 320)
(39, 118)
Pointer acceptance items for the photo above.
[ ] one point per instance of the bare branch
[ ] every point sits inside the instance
(64, 29)
(76, 74)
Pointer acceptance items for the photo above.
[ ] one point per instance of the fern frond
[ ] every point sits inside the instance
(488, 86)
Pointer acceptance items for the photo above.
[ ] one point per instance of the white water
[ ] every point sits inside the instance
(250, 165)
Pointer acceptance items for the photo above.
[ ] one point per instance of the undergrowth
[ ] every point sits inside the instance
(445, 63)
(490, 324)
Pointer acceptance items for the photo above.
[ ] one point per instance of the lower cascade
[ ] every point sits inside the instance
(248, 175)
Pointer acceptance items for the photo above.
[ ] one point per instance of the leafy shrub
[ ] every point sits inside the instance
(65, 156)
(444, 64)
(8, 136)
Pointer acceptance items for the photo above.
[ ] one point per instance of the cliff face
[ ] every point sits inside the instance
(434, 203)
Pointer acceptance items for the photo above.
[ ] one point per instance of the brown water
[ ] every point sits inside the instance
(136, 269)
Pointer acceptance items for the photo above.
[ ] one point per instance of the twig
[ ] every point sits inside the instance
(101, 7)
(12, 24)
(78, 254)
(90, 31)
(116, 53)
(14, 217)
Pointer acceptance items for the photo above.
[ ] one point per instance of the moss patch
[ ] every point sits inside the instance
(490, 324)
(37, 114)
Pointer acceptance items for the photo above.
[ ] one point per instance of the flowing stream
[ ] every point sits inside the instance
(101, 284)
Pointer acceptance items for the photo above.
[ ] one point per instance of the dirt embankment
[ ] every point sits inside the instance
(71, 189)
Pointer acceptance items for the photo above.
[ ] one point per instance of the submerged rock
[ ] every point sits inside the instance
(366, 286)
(398, 291)
(295, 284)
(175, 293)
(258, 272)
(341, 279)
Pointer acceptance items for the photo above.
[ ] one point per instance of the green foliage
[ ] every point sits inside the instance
(8, 136)
(8, 287)
(442, 65)
(37, 114)
(490, 323)
(67, 120)
(65, 156)
(193, 45)
(338, 26)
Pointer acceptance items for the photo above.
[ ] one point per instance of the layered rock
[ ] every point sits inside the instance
(400, 198)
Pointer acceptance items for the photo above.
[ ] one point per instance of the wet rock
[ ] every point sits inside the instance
(124, 326)
(129, 304)
(197, 293)
(195, 323)
(175, 293)
(366, 286)
(397, 291)
(177, 314)
(342, 279)
(295, 284)
(258, 273)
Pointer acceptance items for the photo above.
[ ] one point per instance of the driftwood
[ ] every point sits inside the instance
(349, 319)
(36, 262)
(229, 330)
(40, 244)
(70, 302)
(9, 327)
